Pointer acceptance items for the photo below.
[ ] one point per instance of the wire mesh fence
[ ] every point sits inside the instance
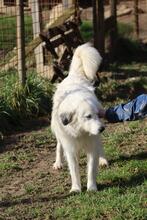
(39, 15)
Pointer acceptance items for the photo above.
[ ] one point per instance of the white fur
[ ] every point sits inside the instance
(75, 102)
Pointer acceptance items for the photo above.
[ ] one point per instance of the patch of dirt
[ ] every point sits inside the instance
(31, 183)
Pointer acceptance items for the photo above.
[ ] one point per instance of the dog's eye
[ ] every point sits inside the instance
(88, 116)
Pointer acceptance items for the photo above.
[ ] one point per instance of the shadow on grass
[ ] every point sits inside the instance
(27, 201)
(134, 181)
(128, 50)
(120, 73)
(13, 136)
(123, 183)
(123, 90)
(140, 156)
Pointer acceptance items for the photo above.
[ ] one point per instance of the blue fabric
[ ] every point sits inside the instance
(133, 110)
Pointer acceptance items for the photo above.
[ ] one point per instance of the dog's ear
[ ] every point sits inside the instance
(66, 118)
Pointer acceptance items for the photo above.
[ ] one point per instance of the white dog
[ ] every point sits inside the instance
(75, 120)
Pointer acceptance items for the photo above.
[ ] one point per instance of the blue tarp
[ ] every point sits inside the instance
(133, 110)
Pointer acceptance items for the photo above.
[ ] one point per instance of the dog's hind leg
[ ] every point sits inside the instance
(73, 165)
(92, 163)
(59, 157)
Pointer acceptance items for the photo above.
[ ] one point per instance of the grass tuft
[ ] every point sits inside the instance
(17, 103)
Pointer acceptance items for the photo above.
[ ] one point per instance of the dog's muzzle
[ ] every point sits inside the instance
(101, 129)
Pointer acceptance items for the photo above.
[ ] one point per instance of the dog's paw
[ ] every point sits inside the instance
(103, 162)
(75, 190)
(57, 166)
(92, 188)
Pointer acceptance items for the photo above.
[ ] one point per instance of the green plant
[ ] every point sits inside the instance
(33, 100)
(86, 29)
(8, 31)
(125, 30)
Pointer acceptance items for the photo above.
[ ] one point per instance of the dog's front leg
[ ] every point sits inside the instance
(59, 156)
(73, 165)
(92, 164)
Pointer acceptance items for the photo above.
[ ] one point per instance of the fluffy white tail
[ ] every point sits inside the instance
(86, 60)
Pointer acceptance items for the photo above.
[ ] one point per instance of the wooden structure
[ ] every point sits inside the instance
(66, 34)
(98, 25)
(57, 17)
(102, 25)
(11, 3)
(136, 18)
(21, 42)
(63, 34)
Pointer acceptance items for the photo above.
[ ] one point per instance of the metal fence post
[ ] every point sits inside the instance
(21, 42)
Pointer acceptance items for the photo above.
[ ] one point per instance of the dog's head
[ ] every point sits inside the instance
(85, 62)
(88, 118)
(83, 119)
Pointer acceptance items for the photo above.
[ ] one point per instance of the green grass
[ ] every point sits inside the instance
(112, 90)
(121, 193)
(45, 195)
(31, 189)
(86, 29)
(8, 31)
(124, 30)
(17, 103)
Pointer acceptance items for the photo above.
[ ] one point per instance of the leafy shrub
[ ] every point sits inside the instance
(17, 103)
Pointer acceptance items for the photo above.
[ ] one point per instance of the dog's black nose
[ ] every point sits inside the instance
(102, 129)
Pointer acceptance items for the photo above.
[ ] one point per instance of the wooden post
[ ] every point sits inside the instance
(42, 69)
(113, 32)
(136, 18)
(21, 42)
(98, 25)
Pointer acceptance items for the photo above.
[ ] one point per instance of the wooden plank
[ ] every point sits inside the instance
(136, 18)
(66, 27)
(49, 45)
(67, 14)
(56, 42)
